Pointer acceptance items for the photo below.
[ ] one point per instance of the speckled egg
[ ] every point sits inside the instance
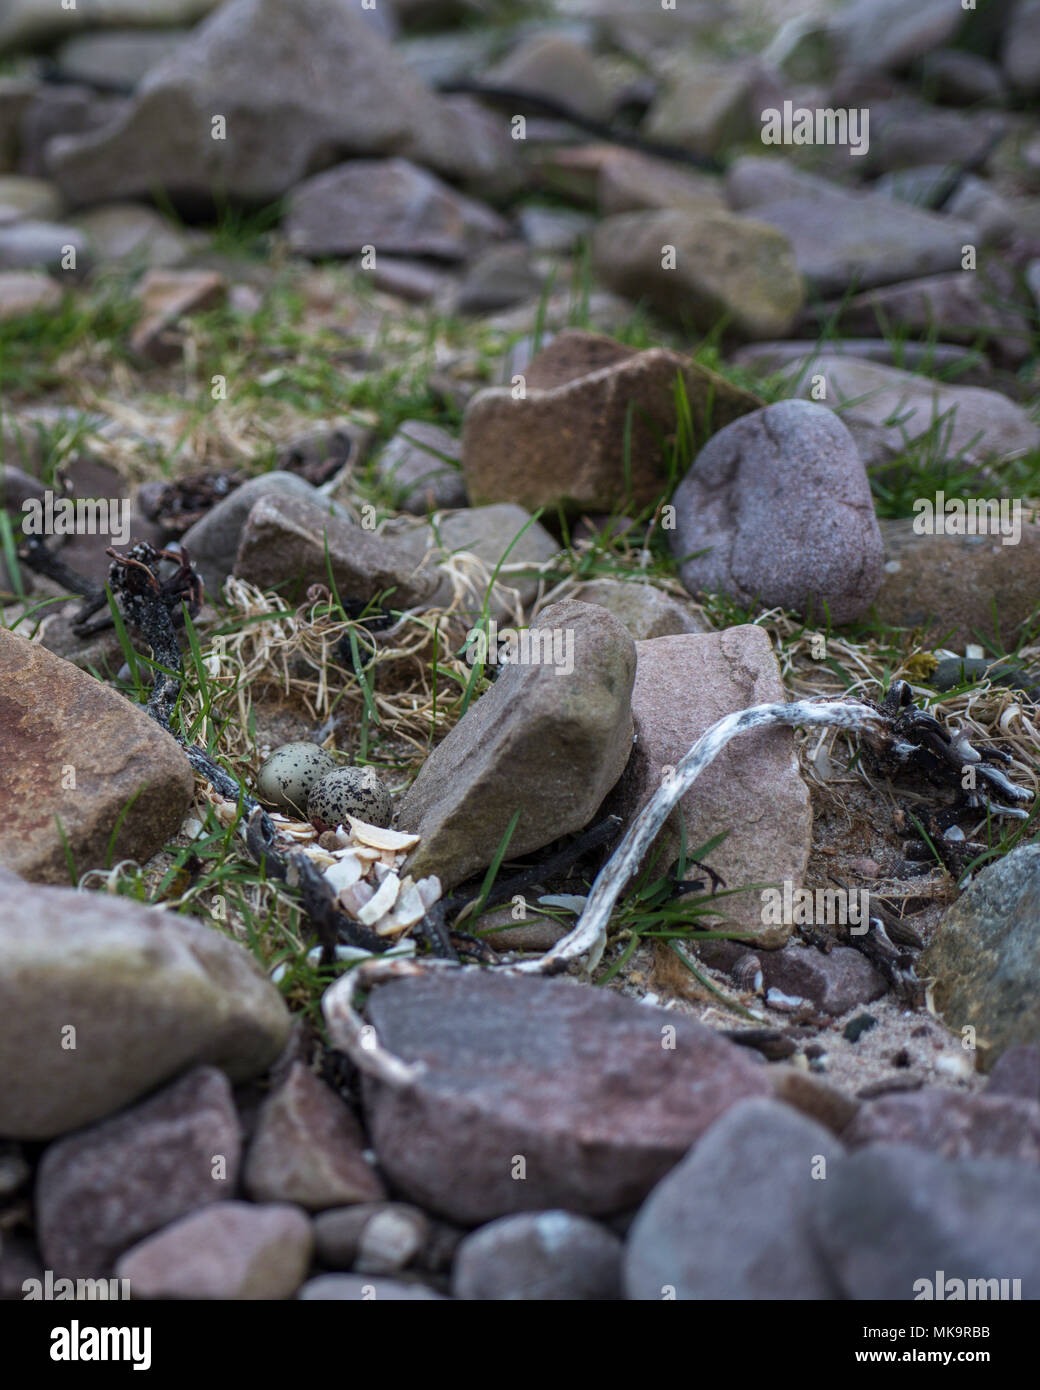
(290, 774)
(349, 791)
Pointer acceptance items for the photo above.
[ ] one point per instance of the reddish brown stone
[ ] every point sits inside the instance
(75, 752)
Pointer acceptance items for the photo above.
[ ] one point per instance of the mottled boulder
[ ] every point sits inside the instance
(776, 510)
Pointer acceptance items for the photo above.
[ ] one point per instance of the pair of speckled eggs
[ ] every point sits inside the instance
(301, 778)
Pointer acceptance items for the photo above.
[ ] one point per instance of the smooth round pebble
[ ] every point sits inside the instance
(290, 774)
(349, 791)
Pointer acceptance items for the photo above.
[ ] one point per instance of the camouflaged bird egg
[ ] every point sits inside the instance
(290, 774)
(349, 791)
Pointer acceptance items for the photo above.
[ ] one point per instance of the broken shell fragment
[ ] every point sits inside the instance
(379, 837)
(382, 902)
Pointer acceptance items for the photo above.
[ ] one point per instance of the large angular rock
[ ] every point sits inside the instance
(753, 790)
(101, 1189)
(886, 410)
(844, 241)
(88, 778)
(835, 982)
(292, 540)
(891, 1217)
(951, 1124)
(101, 999)
(231, 1250)
(541, 1093)
(308, 1148)
(703, 268)
(297, 86)
(586, 432)
(730, 1221)
(391, 205)
(959, 589)
(985, 956)
(776, 510)
(544, 740)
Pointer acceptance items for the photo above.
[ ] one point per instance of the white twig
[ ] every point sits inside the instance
(589, 935)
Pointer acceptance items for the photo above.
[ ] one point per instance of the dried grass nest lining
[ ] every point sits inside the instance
(293, 651)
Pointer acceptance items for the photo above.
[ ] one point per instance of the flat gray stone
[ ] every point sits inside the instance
(212, 543)
(294, 540)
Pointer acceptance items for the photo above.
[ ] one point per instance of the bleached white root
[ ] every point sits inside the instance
(589, 935)
(351, 1034)
(348, 1031)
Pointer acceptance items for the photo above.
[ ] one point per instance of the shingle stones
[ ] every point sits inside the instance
(776, 510)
